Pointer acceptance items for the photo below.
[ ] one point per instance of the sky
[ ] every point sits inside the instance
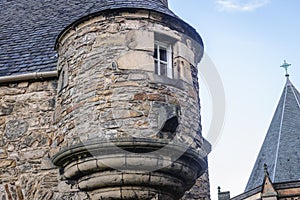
(247, 41)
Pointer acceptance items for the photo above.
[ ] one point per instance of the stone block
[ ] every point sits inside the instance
(136, 60)
(141, 163)
(104, 41)
(2, 142)
(38, 86)
(47, 164)
(11, 91)
(161, 30)
(50, 178)
(137, 77)
(112, 124)
(140, 96)
(19, 192)
(23, 85)
(110, 193)
(173, 100)
(64, 187)
(140, 40)
(87, 166)
(113, 28)
(125, 84)
(132, 192)
(3, 153)
(34, 154)
(141, 124)
(184, 70)
(155, 16)
(2, 120)
(156, 97)
(181, 50)
(15, 129)
(71, 170)
(6, 109)
(7, 163)
(139, 14)
(124, 114)
(10, 147)
(117, 96)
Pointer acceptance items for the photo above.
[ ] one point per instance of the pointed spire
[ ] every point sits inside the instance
(286, 65)
(280, 151)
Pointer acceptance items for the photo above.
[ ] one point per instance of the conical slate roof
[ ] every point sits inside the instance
(281, 147)
(29, 28)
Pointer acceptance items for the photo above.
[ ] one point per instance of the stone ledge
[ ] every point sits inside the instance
(165, 167)
(134, 145)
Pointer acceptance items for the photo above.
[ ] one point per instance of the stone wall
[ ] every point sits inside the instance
(26, 136)
(107, 89)
(201, 189)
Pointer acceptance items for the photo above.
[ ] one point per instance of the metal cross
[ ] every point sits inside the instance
(285, 65)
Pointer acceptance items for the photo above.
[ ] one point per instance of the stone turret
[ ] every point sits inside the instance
(127, 110)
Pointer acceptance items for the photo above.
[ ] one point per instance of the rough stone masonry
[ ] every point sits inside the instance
(53, 132)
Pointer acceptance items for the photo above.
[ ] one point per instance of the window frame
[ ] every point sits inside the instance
(168, 63)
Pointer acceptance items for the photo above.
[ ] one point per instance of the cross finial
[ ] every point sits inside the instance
(285, 65)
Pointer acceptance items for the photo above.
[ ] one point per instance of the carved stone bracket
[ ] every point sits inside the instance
(132, 168)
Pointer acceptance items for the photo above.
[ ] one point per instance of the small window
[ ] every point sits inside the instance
(63, 80)
(163, 59)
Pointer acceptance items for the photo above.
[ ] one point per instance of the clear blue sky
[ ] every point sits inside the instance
(247, 40)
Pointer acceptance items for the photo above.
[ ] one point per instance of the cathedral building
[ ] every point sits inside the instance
(99, 99)
(276, 173)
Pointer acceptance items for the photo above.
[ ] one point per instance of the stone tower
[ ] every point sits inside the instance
(123, 120)
(128, 88)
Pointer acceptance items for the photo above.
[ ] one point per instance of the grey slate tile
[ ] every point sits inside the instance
(28, 28)
(281, 147)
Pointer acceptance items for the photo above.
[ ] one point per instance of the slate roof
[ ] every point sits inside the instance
(29, 28)
(281, 147)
